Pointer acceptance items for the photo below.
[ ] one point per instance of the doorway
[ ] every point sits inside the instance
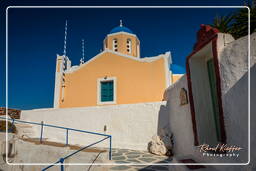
(214, 97)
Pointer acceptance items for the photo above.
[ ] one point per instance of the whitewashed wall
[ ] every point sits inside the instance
(180, 123)
(180, 119)
(131, 125)
(233, 59)
(234, 81)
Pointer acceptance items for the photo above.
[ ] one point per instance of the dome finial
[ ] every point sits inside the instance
(121, 23)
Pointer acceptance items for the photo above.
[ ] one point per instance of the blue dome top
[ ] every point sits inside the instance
(119, 29)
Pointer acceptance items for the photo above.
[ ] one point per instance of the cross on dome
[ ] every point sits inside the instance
(121, 23)
(121, 28)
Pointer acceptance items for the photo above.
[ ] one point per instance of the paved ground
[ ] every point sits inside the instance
(141, 157)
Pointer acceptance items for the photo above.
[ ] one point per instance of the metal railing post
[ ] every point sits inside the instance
(61, 160)
(110, 147)
(67, 137)
(41, 135)
(12, 127)
(61, 164)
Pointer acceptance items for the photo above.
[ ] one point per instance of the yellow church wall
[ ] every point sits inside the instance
(58, 65)
(136, 81)
(176, 77)
(122, 45)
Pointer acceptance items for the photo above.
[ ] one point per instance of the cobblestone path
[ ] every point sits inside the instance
(140, 157)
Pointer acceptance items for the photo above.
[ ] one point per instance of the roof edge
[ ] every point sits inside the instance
(145, 59)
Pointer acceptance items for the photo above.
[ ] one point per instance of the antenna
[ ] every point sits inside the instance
(82, 59)
(83, 49)
(64, 62)
(121, 23)
(65, 39)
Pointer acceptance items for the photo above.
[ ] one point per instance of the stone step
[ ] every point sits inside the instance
(23, 126)
(24, 130)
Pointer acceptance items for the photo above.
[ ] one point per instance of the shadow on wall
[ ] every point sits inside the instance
(235, 109)
(163, 128)
(163, 120)
(236, 106)
(161, 143)
(253, 114)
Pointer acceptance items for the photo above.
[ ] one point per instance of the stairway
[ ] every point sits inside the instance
(25, 131)
(30, 150)
(26, 145)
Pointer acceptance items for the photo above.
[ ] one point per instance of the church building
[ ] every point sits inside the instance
(117, 75)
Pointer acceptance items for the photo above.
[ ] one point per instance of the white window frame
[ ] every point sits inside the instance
(99, 80)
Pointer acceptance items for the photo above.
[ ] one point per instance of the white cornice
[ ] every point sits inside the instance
(178, 74)
(166, 56)
(122, 32)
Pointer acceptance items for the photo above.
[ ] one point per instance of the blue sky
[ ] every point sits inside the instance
(36, 36)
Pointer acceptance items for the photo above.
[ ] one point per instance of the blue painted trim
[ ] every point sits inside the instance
(61, 164)
(48, 167)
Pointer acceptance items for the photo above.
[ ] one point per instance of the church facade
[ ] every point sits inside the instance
(117, 75)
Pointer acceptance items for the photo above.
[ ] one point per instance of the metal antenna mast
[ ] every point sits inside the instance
(65, 39)
(64, 66)
(83, 49)
(82, 59)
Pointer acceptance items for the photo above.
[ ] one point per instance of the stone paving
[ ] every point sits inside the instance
(123, 156)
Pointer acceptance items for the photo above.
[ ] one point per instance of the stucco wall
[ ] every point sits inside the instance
(81, 85)
(180, 119)
(131, 126)
(233, 60)
(175, 77)
(122, 43)
(234, 78)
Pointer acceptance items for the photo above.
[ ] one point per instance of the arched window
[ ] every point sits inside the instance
(115, 45)
(129, 45)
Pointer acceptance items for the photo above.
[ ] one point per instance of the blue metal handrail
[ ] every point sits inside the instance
(67, 130)
(61, 161)
(54, 126)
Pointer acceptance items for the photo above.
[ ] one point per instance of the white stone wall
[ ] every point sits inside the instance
(234, 83)
(233, 60)
(180, 119)
(131, 125)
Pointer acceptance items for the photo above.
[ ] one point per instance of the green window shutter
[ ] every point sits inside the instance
(212, 80)
(107, 91)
